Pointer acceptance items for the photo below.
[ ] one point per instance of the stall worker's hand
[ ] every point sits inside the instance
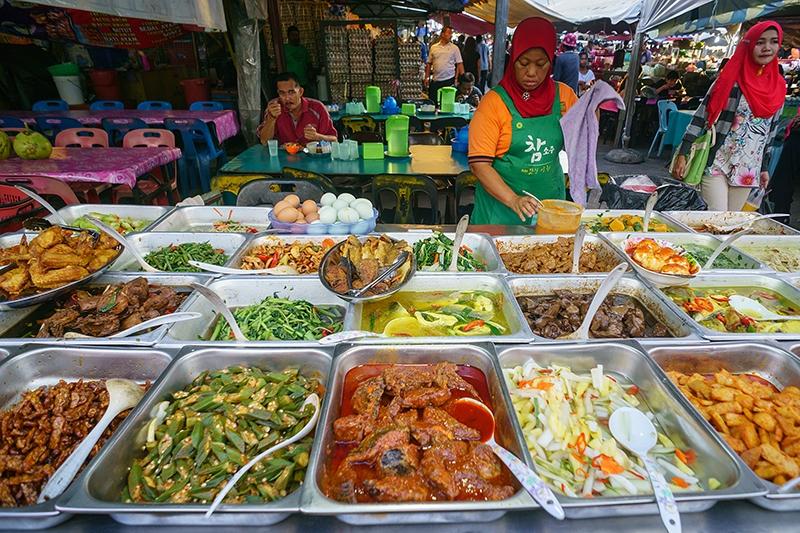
(679, 168)
(524, 207)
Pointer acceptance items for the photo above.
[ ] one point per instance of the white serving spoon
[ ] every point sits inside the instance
(280, 270)
(723, 245)
(219, 306)
(344, 336)
(114, 234)
(312, 399)
(648, 210)
(141, 326)
(582, 333)
(748, 223)
(59, 219)
(461, 229)
(123, 394)
(789, 485)
(580, 236)
(633, 430)
(527, 477)
(754, 309)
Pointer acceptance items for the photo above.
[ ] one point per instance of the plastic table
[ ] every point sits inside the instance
(425, 117)
(255, 162)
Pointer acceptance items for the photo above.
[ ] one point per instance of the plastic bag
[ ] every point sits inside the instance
(673, 195)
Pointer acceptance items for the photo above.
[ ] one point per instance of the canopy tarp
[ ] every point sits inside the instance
(721, 13)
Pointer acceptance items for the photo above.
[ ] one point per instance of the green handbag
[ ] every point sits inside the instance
(697, 160)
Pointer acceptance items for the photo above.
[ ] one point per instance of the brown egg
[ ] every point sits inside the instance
(288, 215)
(280, 206)
(293, 200)
(311, 217)
(309, 206)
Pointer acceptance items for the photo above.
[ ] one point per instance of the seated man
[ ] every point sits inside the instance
(467, 92)
(292, 118)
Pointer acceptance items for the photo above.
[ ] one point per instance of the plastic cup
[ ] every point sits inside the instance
(272, 146)
(335, 150)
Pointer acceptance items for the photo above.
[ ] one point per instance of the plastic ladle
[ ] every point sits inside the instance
(648, 210)
(469, 411)
(114, 234)
(580, 236)
(44, 203)
(141, 326)
(344, 336)
(723, 245)
(754, 309)
(280, 270)
(582, 333)
(221, 309)
(461, 229)
(123, 394)
(312, 399)
(633, 430)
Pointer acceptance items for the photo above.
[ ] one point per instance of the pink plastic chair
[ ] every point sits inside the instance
(82, 138)
(149, 138)
(158, 187)
(12, 132)
(46, 187)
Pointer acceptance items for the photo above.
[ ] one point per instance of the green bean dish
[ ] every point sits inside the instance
(207, 431)
(175, 258)
(280, 319)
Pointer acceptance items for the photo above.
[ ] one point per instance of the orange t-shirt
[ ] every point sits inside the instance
(490, 127)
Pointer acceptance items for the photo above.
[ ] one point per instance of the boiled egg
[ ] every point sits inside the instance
(346, 197)
(289, 215)
(311, 217)
(293, 200)
(309, 206)
(327, 215)
(327, 199)
(280, 206)
(340, 204)
(348, 215)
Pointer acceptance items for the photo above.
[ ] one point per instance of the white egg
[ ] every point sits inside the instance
(317, 221)
(327, 214)
(360, 201)
(364, 210)
(340, 204)
(348, 215)
(327, 199)
(347, 197)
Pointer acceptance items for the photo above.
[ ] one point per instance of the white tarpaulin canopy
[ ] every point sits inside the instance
(721, 13)
(207, 14)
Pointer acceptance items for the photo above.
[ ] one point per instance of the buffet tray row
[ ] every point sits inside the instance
(108, 484)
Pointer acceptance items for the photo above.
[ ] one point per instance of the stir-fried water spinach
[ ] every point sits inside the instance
(282, 319)
(175, 258)
(436, 252)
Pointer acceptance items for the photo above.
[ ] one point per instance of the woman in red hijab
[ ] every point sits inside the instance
(515, 136)
(745, 106)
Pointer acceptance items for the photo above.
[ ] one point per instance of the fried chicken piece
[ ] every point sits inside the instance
(55, 278)
(47, 239)
(60, 256)
(100, 259)
(14, 281)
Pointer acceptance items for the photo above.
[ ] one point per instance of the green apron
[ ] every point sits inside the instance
(531, 164)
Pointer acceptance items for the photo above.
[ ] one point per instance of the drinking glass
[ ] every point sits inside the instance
(335, 150)
(272, 146)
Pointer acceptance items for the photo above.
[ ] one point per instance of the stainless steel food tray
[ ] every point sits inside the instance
(258, 240)
(200, 218)
(628, 362)
(148, 242)
(628, 285)
(520, 242)
(49, 294)
(785, 242)
(9, 319)
(767, 361)
(347, 357)
(761, 281)
(32, 367)
(518, 329)
(481, 245)
(153, 213)
(676, 225)
(695, 219)
(700, 239)
(239, 291)
(101, 485)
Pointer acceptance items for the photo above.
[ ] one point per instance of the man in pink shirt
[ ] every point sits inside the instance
(292, 118)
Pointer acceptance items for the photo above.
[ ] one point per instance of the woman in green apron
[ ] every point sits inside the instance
(515, 136)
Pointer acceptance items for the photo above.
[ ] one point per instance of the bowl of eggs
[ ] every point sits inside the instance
(335, 215)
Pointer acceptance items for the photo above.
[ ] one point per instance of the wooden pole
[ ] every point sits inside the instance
(500, 32)
(274, 14)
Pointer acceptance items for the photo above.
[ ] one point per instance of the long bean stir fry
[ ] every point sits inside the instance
(175, 258)
(200, 437)
(282, 319)
(436, 252)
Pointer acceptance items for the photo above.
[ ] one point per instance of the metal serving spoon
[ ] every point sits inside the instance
(648, 210)
(141, 326)
(461, 229)
(400, 261)
(580, 236)
(582, 333)
(114, 234)
(280, 270)
(219, 306)
(723, 245)
(123, 394)
(344, 336)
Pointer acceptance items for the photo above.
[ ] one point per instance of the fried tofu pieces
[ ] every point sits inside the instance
(759, 423)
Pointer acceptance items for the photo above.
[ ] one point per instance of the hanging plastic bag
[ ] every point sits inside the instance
(673, 195)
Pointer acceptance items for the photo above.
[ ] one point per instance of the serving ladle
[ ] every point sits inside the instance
(141, 326)
(44, 203)
(123, 394)
(481, 417)
(219, 306)
(754, 309)
(747, 223)
(280, 270)
(461, 229)
(582, 333)
(634, 431)
(648, 210)
(723, 245)
(577, 248)
(117, 236)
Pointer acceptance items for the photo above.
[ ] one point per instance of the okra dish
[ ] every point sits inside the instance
(203, 434)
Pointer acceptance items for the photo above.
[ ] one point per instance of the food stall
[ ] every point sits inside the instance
(378, 352)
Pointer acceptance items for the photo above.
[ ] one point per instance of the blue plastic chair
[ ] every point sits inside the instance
(117, 127)
(665, 107)
(50, 105)
(106, 105)
(154, 105)
(205, 106)
(11, 122)
(51, 126)
(198, 149)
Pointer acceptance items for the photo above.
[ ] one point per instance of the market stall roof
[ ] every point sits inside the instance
(207, 14)
(401, 8)
(722, 13)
